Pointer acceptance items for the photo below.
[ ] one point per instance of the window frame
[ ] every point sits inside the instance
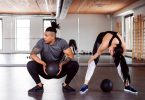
(1, 33)
(127, 16)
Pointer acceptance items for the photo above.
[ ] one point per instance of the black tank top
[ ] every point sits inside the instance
(114, 36)
(102, 34)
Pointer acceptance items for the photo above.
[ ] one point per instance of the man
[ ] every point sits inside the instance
(116, 45)
(52, 49)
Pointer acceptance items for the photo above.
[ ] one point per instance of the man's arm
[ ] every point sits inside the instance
(68, 55)
(34, 56)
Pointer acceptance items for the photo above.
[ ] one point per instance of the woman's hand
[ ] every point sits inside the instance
(111, 50)
(91, 59)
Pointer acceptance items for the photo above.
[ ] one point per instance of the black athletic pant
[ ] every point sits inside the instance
(121, 64)
(70, 69)
(95, 48)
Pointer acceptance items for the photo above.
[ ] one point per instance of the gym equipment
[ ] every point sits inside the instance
(106, 85)
(90, 53)
(52, 68)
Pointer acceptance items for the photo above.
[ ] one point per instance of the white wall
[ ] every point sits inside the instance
(140, 10)
(8, 34)
(36, 31)
(89, 26)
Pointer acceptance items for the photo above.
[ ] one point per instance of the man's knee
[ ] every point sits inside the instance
(74, 65)
(31, 65)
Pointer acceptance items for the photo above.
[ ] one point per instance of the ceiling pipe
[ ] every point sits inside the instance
(58, 8)
(65, 8)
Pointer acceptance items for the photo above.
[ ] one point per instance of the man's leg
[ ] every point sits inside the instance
(35, 69)
(70, 69)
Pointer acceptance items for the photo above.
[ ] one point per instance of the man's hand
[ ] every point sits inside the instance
(38, 60)
(60, 68)
(44, 67)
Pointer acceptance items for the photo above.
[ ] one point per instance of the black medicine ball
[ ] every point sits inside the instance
(52, 68)
(106, 85)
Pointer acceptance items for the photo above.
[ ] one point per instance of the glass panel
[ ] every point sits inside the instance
(23, 23)
(23, 35)
(129, 31)
(22, 45)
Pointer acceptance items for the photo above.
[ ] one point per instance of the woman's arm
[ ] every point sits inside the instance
(102, 47)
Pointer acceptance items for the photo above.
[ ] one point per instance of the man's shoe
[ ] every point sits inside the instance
(67, 88)
(37, 88)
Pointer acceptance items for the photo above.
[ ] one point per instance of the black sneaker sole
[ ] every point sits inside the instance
(40, 91)
(68, 91)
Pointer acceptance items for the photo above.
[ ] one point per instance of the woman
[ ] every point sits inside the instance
(115, 44)
(73, 46)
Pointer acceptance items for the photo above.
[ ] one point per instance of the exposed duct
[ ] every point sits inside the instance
(65, 8)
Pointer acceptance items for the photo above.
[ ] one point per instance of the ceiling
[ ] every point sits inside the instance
(27, 6)
(48, 7)
(98, 6)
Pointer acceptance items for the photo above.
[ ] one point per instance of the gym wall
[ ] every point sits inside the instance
(89, 26)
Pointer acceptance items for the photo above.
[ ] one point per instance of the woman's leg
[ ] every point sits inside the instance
(122, 69)
(92, 65)
(90, 69)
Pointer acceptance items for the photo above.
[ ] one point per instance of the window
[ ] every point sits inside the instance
(47, 23)
(22, 35)
(1, 42)
(129, 31)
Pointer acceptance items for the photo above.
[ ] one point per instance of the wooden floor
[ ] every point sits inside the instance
(15, 82)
